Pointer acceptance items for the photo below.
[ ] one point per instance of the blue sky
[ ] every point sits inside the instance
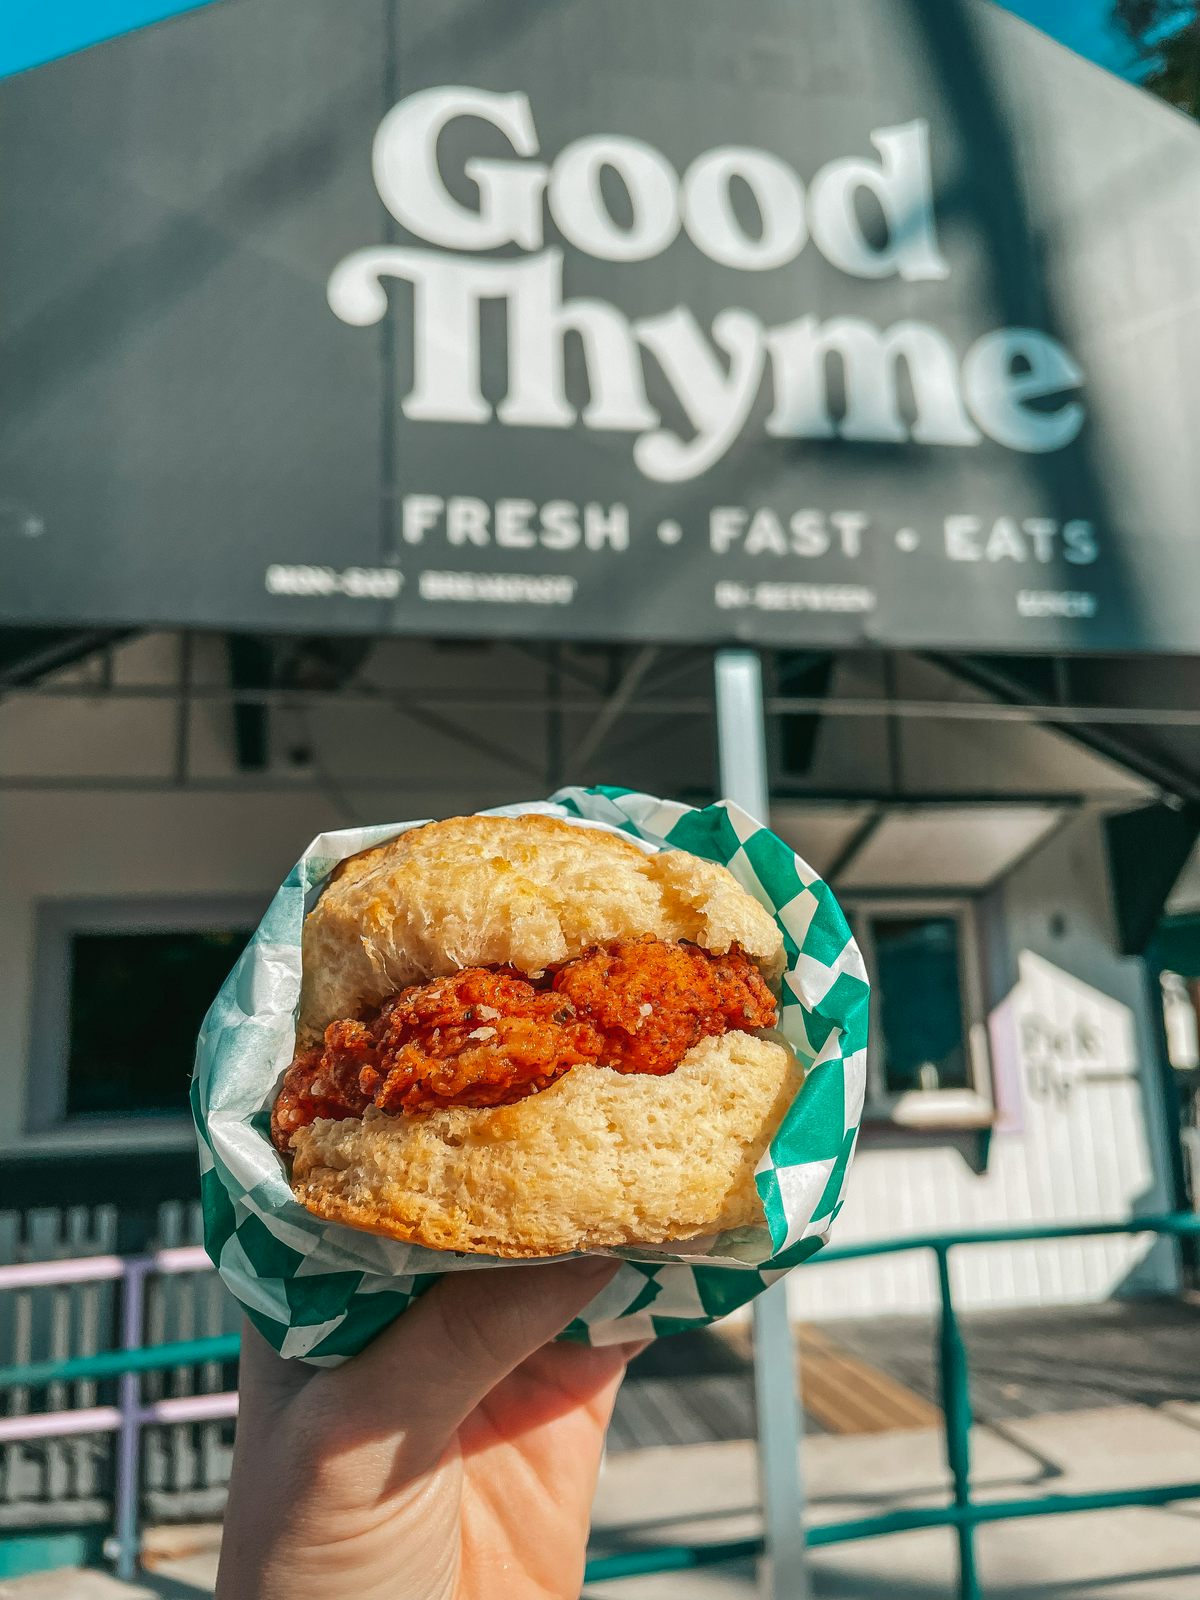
(40, 30)
(1085, 25)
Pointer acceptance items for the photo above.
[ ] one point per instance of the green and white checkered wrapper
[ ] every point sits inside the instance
(320, 1291)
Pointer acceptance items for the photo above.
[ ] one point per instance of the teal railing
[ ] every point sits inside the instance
(962, 1512)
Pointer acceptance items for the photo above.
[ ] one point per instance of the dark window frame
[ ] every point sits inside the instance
(973, 1107)
(58, 922)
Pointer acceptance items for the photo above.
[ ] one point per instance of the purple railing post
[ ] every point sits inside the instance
(127, 1492)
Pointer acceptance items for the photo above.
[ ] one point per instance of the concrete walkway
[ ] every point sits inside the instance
(877, 1374)
(706, 1492)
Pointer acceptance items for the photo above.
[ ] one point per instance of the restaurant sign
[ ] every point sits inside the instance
(837, 323)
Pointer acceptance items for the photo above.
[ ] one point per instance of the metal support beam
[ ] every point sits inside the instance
(251, 666)
(419, 712)
(895, 737)
(28, 654)
(870, 707)
(267, 783)
(612, 709)
(554, 718)
(183, 711)
(570, 669)
(742, 756)
(1084, 725)
(866, 831)
(679, 664)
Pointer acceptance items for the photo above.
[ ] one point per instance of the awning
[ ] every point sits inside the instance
(844, 323)
(925, 848)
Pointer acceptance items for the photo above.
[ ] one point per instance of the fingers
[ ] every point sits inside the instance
(265, 1379)
(556, 1379)
(630, 1351)
(465, 1335)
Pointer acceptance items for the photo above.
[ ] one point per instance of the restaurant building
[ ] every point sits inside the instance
(407, 406)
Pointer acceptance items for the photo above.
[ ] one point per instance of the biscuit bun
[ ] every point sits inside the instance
(601, 1158)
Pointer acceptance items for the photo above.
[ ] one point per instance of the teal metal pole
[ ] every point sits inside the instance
(956, 1407)
(668, 1558)
(912, 1518)
(111, 1363)
(1171, 1222)
(742, 761)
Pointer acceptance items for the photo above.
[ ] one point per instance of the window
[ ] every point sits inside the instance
(923, 1031)
(121, 990)
(927, 1062)
(137, 1002)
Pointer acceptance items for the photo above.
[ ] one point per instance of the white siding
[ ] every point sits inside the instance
(1080, 1131)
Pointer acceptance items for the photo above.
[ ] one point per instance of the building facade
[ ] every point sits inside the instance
(1018, 1064)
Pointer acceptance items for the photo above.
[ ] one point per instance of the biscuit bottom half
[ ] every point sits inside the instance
(599, 1159)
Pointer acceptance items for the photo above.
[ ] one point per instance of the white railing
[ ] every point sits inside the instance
(130, 1415)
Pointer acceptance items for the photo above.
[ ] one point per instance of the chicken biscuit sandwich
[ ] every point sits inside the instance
(522, 1036)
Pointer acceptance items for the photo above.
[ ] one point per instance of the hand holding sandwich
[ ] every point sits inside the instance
(454, 1459)
(517, 1037)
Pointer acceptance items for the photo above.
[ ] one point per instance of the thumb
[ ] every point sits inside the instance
(467, 1333)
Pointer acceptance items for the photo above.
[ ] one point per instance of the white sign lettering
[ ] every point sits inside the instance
(1015, 386)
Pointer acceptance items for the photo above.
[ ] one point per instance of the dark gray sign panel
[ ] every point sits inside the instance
(844, 321)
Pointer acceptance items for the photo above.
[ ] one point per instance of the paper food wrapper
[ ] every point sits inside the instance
(320, 1291)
